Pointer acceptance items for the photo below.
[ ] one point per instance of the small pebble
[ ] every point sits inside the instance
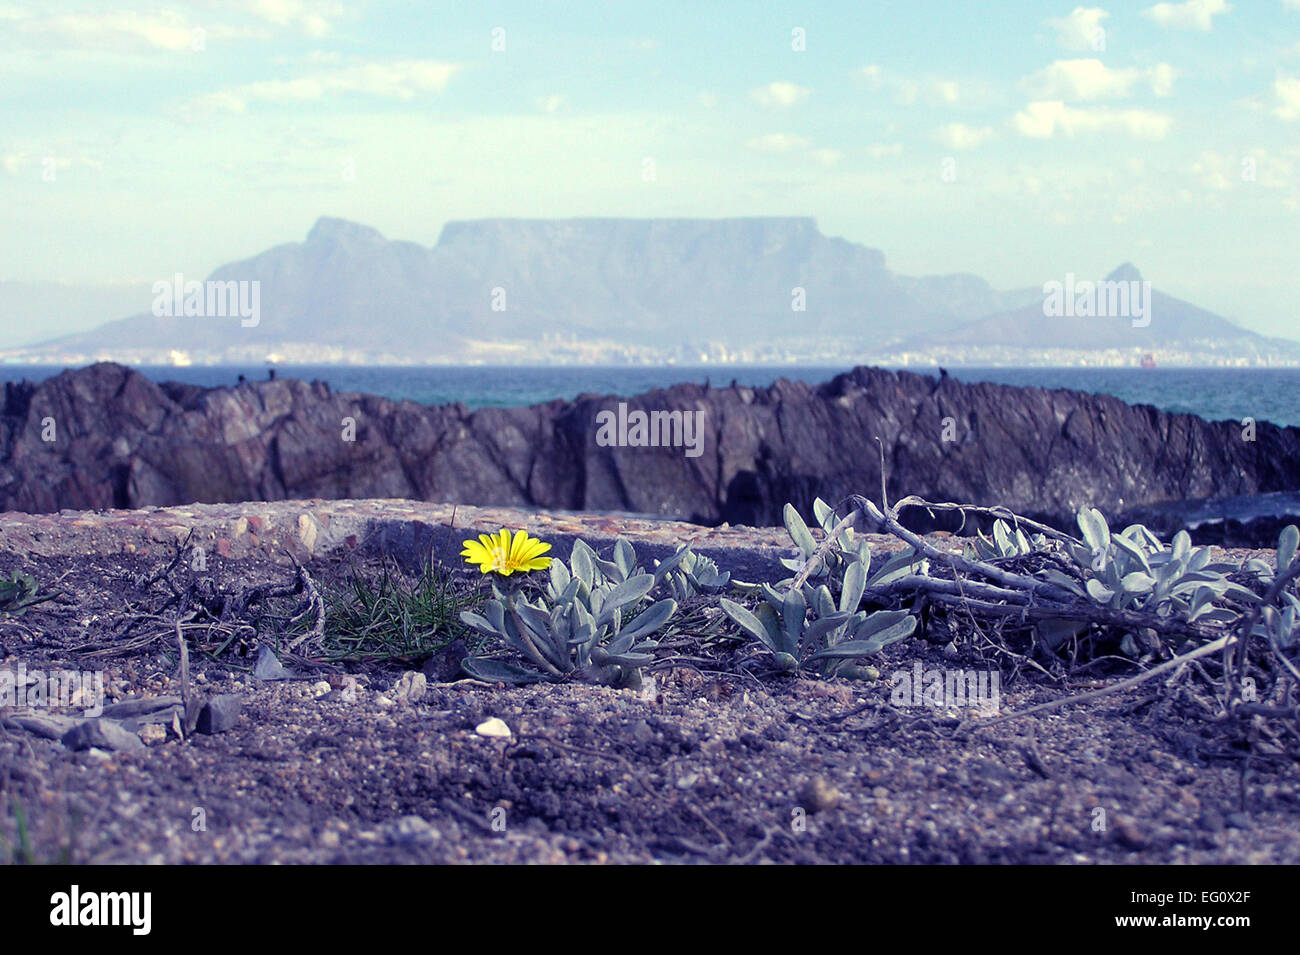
(817, 795)
(493, 728)
(153, 733)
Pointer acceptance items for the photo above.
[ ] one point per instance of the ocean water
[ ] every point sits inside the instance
(1213, 393)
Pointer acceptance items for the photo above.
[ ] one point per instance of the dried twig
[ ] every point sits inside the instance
(1122, 685)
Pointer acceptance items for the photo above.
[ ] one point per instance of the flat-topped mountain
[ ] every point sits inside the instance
(497, 289)
(612, 290)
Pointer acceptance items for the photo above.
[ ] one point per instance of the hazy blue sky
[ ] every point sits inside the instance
(138, 141)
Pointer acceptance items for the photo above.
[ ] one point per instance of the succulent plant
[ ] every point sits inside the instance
(1278, 624)
(1006, 542)
(848, 547)
(1287, 543)
(1134, 570)
(806, 629)
(690, 575)
(586, 625)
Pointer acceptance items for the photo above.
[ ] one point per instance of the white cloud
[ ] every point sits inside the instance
(934, 92)
(708, 100)
(1192, 15)
(783, 143)
(1161, 77)
(931, 90)
(124, 30)
(873, 74)
(551, 104)
(1082, 29)
(399, 79)
(312, 17)
(885, 150)
(1091, 79)
(959, 136)
(779, 95)
(1286, 93)
(1046, 118)
(777, 143)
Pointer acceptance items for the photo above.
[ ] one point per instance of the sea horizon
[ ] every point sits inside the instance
(1213, 393)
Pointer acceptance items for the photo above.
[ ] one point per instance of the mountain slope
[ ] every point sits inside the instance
(1171, 325)
(348, 293)
(529, 290)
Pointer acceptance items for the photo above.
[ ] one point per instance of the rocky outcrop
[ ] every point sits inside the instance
(105, 436)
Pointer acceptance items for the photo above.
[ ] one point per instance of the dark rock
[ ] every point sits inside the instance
(101, 734)
(444, 666)
(127, 442)
(49, 726)
(219, 714)
(134, 708)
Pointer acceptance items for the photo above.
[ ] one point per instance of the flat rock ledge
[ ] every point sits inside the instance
(408, 531)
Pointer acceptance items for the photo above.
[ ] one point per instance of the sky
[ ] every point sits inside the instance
(1018, 141)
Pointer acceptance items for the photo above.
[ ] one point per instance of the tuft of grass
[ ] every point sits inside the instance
(392, 616)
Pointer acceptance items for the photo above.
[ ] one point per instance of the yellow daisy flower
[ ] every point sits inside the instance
(499, 553)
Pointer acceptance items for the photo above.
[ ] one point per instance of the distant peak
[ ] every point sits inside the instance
(331, 230)
(1127, 272)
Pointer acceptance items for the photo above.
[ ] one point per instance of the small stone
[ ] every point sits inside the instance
(131, 708)
(321, 689)
(411, 831)
(1238, 820)
(268, 667)
(817, 795)
(687, 781)
(307, 532)
(1129, 834)
(1212, 821)
(219, 714)
(49, 726)
(642, 733)
(153, 733)
(649, 691)
(329, 839)
(101, 734)
(384, 701)
(493, 728)
(410, 688)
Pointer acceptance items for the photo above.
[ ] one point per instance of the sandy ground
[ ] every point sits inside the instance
(699, 766)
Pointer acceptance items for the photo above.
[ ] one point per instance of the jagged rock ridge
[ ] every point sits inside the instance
(123, 441)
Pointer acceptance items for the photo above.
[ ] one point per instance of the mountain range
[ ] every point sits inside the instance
(643, 290)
